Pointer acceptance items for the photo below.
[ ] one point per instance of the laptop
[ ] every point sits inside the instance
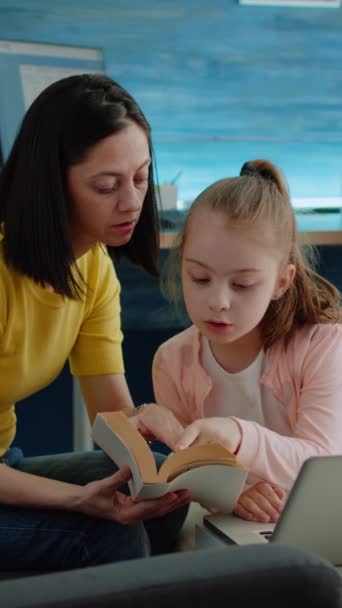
(311, 518)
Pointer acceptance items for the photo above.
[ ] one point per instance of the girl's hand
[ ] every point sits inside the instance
(158, 422)
(225, 431)
(101, 499)
(261, 502)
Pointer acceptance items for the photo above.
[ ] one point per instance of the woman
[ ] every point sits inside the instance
(76, 190)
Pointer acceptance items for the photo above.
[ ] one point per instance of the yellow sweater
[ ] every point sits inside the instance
(40, 329)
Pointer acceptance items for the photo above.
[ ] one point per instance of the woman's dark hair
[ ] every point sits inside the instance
(64, 121)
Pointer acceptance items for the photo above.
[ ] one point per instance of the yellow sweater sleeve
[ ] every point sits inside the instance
(97, 349)
(40, 330)
(7, 413)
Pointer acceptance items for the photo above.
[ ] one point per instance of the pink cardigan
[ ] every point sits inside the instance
(306, 378)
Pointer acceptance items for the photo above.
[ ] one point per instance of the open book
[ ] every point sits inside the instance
(210, 472)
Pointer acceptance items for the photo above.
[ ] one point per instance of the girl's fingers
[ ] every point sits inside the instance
(156, 422)
(280, 492)
(187, 438)
(240, 511)
(272, 494)
(262, 502)
(257, 511)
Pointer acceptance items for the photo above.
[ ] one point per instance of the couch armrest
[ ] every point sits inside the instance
(264, 575)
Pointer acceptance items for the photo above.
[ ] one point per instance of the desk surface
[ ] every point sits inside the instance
(315, 227)
(327, 237)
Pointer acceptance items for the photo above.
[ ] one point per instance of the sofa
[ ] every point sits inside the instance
(259, 575)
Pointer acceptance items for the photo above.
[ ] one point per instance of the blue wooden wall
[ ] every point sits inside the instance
(220, 82)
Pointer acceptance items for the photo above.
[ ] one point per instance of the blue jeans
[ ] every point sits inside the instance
(47, 539)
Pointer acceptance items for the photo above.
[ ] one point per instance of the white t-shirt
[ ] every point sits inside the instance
(242, 395)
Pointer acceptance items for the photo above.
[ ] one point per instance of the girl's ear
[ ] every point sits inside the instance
(285, 278)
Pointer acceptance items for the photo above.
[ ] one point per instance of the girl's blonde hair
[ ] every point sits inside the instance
(260, 196)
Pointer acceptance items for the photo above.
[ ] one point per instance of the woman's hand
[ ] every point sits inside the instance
(102, 499)
(158, 422)
(261, 502)
(225, 431)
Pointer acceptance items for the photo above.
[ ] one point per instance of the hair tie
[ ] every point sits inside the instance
(248, 169)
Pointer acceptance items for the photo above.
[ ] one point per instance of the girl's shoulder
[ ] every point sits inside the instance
(319, 333)
(307, 336)
(309, 345)
(312, 351)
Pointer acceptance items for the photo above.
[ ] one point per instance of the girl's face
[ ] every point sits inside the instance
(107, 189)
(229, 276)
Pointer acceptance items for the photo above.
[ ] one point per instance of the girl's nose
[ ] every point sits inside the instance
(219, 301)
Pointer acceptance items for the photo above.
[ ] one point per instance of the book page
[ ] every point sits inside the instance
(212, 485)
(193, 457)
(120, 427)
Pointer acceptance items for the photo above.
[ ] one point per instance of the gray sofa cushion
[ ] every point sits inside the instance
(265, 576)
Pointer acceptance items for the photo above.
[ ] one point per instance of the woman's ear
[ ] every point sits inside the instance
(285, 278)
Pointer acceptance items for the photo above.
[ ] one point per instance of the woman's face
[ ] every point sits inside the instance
(107, 189)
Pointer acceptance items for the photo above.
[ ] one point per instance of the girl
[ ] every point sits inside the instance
(259, 369)
(79, 178)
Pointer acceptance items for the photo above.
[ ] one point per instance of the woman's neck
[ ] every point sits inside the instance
(240, 354)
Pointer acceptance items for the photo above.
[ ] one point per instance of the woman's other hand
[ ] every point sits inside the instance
(102, 499)
(158, 422)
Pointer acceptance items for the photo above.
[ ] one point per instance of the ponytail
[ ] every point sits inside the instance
(310, 299)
